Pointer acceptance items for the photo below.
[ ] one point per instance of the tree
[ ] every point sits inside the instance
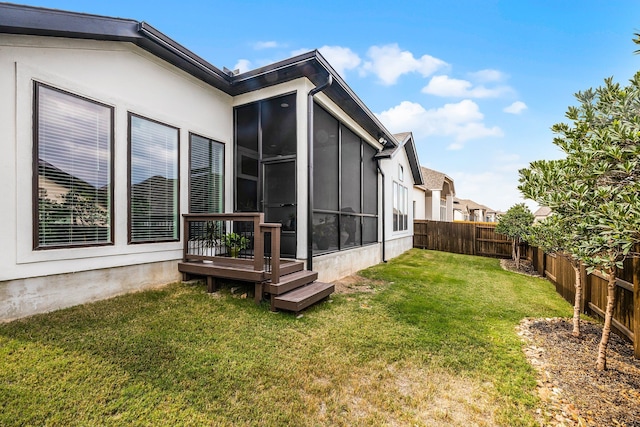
(596, 187)
(555, 235)
(515, 224)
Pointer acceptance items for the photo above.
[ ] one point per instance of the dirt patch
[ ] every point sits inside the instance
(572, 391)
(357, 284)
(525, 267)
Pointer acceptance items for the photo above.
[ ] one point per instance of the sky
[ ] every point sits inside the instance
(479, 83)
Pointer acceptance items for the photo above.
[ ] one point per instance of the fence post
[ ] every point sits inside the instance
(636, 307)
(586, 288)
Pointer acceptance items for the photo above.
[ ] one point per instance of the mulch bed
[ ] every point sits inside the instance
(572, 392)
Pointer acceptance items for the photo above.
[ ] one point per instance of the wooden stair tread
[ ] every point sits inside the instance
(291, 281)
(301, 298)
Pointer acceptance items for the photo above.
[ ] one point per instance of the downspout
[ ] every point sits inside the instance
(384, 259)
(310, 96)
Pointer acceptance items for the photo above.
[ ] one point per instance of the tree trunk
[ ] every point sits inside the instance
(513, 250)
(577, 300)
(518, 255)
(608, 316)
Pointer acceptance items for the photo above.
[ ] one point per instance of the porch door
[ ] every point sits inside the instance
(279, 201)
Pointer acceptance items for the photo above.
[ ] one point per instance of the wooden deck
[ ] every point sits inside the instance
(288, 285)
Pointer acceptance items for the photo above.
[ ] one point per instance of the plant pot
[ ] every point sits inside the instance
(322, 243)
(234, 252)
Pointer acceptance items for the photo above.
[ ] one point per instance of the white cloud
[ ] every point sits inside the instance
(388, 63)
(243, 65)
(265, 45)
(515, 108)
(448, 87)
(486, 76)
(340, 58)
(461, 121)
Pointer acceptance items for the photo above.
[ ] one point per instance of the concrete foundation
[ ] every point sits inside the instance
(337, 265)
(26, 297)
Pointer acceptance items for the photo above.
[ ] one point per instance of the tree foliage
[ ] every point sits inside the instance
(556, 235)
(515, 224)
(595, 188)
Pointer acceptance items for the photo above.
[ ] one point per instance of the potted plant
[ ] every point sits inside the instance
(323, 233)
(235, 243)
(209, 240)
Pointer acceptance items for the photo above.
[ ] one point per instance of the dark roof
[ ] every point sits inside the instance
(28, 20)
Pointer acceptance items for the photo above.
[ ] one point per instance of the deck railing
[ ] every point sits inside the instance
(242, 238)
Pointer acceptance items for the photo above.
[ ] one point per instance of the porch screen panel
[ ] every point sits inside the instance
(369, 195)
(369, 181)
(247, 157)
(153, 180)
(73, 144)
(206, 175)
(325, 161)
(351, 174)
(278, 124)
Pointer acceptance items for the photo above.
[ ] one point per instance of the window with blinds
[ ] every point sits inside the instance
(206, 175)
(153, 181)
(73, 147)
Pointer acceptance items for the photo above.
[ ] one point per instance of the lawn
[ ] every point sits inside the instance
(428, 340)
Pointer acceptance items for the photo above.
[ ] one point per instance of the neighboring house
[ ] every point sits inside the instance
(541, 213)
(468, 210)
(436, 196)
(140, 130)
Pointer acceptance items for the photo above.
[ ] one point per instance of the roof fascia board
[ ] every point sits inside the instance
(29, 20)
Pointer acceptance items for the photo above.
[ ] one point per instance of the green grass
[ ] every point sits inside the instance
(434, 343)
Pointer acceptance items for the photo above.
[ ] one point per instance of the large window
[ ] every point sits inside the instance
(206, 175)
(345, 196)
(153, 181)
(73, 154)
(400, 207)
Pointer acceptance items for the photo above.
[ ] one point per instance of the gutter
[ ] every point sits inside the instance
(310, 96)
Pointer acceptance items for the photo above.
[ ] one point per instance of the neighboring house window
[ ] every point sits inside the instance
(73, 147)
(345, 196)
(153, 181)
(443, 209)
(400, 207)
(206, 175)
(400, 173)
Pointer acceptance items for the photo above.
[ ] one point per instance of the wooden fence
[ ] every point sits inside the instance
(626, 313)
(468, 238)
(481, 239)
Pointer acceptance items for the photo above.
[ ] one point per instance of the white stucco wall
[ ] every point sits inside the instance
(122, 76)
(391, 170)
(419, 200)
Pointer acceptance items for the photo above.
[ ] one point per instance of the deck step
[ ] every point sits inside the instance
(290, 282)
(290, 267)
(303, 297)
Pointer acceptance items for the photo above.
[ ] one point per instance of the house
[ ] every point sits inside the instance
(541, 213)
(468, 210)
(434, 198)
(113, 134)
